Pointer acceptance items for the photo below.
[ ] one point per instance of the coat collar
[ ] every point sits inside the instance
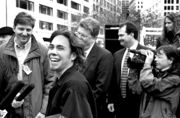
(34, 50)
(66, 74)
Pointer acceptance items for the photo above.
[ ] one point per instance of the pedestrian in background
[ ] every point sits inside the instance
(170, 32)
(99, 62)
(5, 34)
(27, 61)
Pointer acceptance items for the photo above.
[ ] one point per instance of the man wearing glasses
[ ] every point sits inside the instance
(99, 62)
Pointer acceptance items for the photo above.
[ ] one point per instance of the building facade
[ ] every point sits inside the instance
(50, 15)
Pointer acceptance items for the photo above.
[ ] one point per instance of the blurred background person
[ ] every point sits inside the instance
(5, 34)
(71, 95)
(170, 34)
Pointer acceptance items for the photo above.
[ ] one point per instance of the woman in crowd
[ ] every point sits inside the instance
(170, 33)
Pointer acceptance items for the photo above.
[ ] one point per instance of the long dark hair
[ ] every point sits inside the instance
(172, 17)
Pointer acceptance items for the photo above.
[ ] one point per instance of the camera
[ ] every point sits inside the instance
(138, 60)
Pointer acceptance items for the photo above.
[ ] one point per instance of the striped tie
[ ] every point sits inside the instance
(124, 76)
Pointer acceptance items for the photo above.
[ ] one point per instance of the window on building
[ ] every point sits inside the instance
(94, 7)
(62, 27)
(165, 7)
(86, 0)
(172, 1)
(45, 10)
(168, 7)
(177, 7)
(86, 10)
(64, 2)
(165, 1)
(169, 1)
(172, 7)
(177, 1)
(62, 14)
(97, 8)
(75, 18)
(25, 4)
(75, 5)
(45, 25)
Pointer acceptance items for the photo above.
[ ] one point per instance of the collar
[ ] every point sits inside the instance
(26, 46)
(88, 51)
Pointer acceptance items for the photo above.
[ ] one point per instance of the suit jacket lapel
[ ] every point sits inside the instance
(91, 57)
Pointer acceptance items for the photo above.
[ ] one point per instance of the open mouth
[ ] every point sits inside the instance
(54, 59)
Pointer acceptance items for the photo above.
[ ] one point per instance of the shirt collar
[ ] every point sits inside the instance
(88, 51)
(28, 44)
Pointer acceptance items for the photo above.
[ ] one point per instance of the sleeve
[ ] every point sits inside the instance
(104, 71)
(76, 105)
(157, 87)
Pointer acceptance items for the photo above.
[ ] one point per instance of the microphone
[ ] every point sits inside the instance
(25, 92)
(15, 88)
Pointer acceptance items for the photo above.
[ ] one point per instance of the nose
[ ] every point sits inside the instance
(119, 38)
(167, 25)
(24, 33)
(52, 51)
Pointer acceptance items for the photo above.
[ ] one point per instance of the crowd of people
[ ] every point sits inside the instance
(76, 78)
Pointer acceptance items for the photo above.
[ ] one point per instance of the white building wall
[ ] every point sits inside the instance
(9, 13)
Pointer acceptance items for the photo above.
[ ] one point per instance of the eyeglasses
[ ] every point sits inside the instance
(80, 35)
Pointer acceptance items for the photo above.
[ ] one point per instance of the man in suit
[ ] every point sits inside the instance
(99, 62)
(121, 98)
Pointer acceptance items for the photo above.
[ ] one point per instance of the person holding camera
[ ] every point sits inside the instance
(121, 99)
(161, 94)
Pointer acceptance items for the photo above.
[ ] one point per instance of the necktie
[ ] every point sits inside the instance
(124, 76)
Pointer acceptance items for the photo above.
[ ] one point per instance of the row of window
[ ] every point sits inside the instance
(108, 5)
(49, 26)
(171, 8)
(171, 1)
(29, 5)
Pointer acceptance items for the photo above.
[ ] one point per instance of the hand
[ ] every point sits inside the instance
(111, 107)
(3, 113)
(16, 104)
(149, 55)
(40, 115)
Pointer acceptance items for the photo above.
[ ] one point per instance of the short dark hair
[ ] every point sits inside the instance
(130, 28)
(24, 19)
(172, 53)
(79, 62)
(90, 24)
(6, 31)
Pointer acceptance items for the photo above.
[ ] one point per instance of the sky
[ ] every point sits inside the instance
(147, 3)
